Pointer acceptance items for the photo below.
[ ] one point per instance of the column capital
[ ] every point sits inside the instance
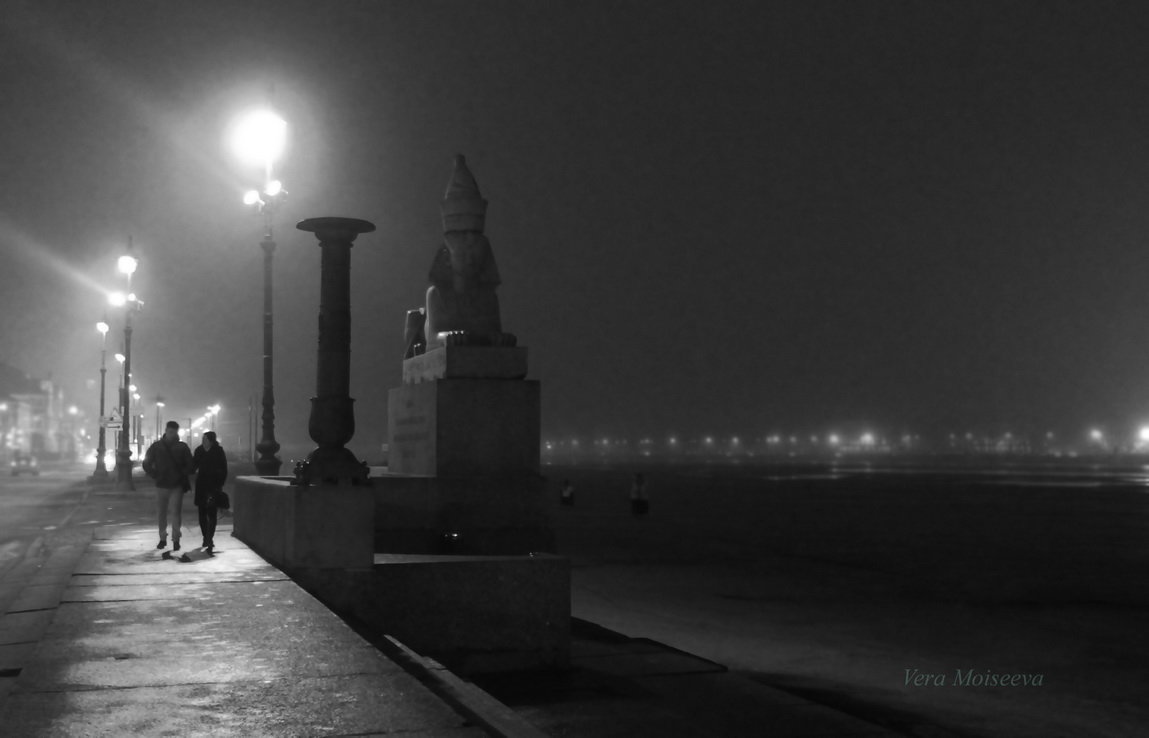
(330, 228)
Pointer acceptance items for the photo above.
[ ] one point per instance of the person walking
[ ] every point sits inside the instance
(210, 465)
(566, 496)
(639, 504)
(169, 462)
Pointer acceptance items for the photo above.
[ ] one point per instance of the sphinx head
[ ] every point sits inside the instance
(465, 262)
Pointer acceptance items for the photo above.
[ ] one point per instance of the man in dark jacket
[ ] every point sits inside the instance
(169, 462)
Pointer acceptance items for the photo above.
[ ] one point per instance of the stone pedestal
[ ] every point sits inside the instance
(472, 362)
(463, 473)
(464, 427)
(494, 515)
(460, 520)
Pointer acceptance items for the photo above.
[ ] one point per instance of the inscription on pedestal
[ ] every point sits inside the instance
(461, 427)
(411, 430)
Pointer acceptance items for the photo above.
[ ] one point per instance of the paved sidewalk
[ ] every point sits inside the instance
(224, 645)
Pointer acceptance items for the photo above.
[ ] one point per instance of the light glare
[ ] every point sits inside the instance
(259, 137)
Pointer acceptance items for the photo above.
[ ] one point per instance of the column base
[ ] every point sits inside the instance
(332, 467)
(268, 467)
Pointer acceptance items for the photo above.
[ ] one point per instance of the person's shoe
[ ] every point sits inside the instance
(210, 550)
(162, 544)
(176, 546)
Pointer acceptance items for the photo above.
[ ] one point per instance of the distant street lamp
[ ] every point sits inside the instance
(101, 473)
(4, 430)
(127, 265)
(260, 138)
(159, 404)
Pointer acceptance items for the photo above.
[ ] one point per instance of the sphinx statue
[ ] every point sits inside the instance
(462, 307)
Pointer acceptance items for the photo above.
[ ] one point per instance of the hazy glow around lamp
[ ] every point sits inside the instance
(127, 264)
(259, 138)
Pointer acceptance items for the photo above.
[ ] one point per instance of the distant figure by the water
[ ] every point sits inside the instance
(566, 496)
(639, 505)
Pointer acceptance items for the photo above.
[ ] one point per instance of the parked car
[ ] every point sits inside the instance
(25, 464)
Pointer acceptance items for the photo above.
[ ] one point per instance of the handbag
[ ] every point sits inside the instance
(220, 500)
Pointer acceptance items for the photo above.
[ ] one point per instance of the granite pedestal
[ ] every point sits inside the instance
(461, 529)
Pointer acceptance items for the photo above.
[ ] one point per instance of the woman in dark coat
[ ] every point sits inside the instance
(210, 474)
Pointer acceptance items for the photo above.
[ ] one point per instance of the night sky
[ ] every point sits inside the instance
(709, 217)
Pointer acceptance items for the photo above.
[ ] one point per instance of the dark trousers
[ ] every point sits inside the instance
(207, 520)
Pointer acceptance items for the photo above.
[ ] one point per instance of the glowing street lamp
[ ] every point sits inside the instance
(127, 265)
(259, 138)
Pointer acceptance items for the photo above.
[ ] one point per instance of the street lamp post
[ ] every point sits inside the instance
(101, 473)
(259, 138)
(127, 264)
(119, 357)
(138, 417)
